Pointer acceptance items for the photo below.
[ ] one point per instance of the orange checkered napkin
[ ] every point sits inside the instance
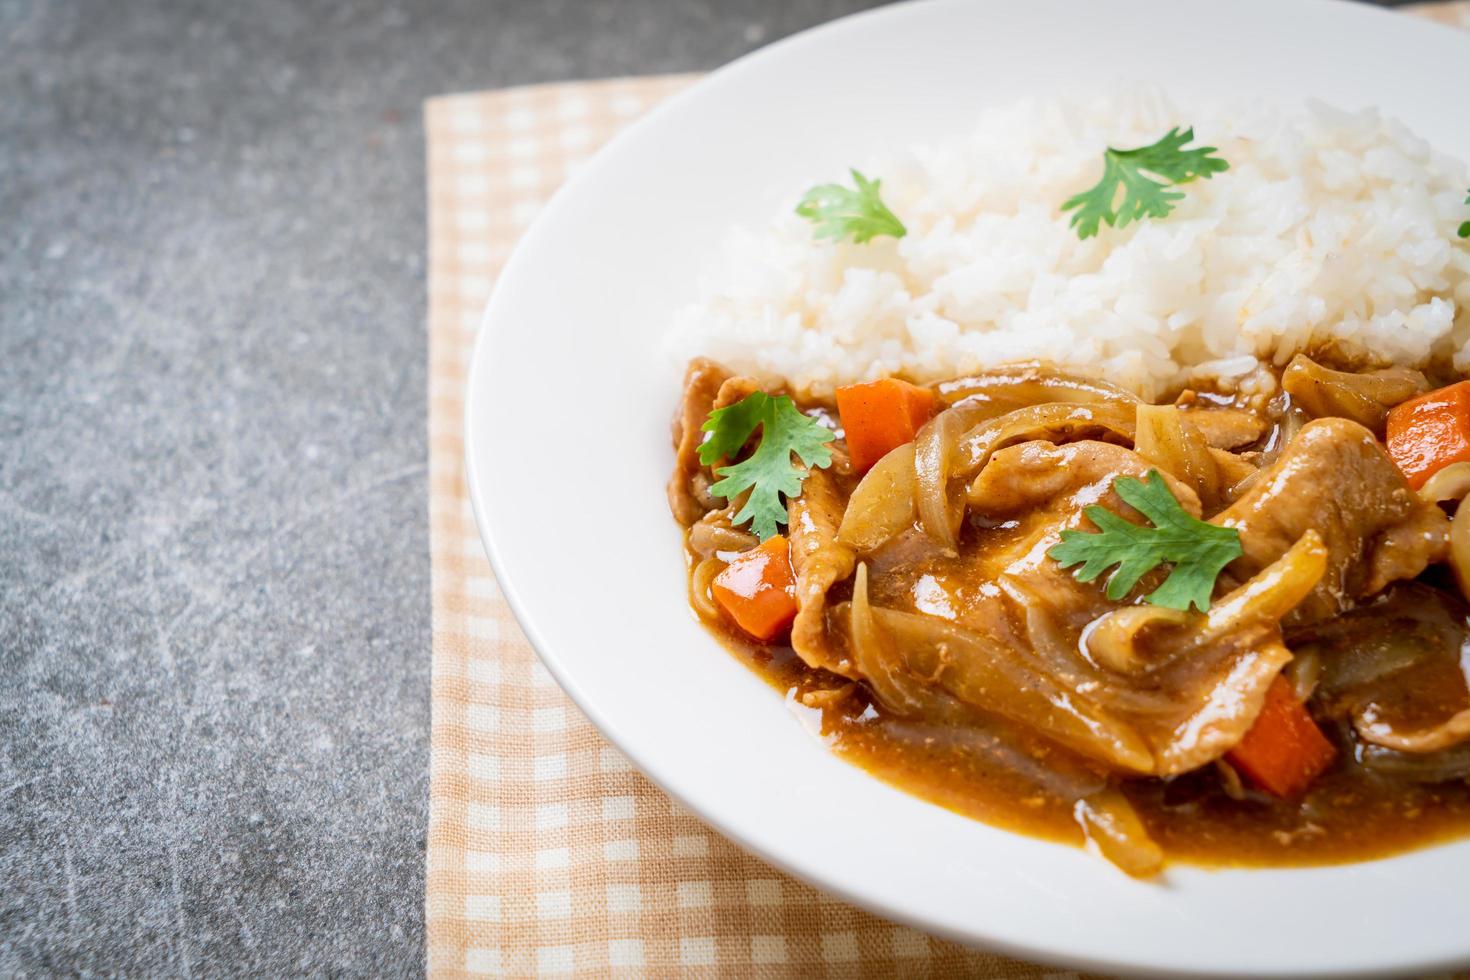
(548, 854)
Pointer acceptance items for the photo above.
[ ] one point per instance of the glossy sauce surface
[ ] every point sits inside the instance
(999, 776)
(1399, 654)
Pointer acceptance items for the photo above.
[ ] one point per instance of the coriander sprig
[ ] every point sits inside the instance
(768, 473)
(1143, 196)
(1198, 551)
(1465, 227)
(840, 212)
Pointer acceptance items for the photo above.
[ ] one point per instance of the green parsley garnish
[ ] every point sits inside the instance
(767, 473)
(1465, 228)
(1197, 550)
(1143, 196)
(841, 213)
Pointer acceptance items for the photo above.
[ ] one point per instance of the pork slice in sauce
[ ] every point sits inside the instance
(688, 488)
(715, 532)
(986, 647)
(1336, 479)
(1188, 709)
(1040, 475)
(1228, 428)
(820, 561)
(733, 390)
(1032, 493)
(707, 386)
(1006, 625)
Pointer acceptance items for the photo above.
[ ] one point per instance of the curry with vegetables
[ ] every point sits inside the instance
(1228, 628)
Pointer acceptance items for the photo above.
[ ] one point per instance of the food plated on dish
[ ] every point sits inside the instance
(1095, 475)
(989, 273)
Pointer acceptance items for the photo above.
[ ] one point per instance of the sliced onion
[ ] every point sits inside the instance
(1292, 420)
(1363, 398)
(1434, 767)
(1167, 438)
(954, 446)
(934, 453)
(708, 537)
(877, 662)
(1406, 628)
(986, 674)
(1236, 473)
(1031, 382)
(1270, 594)
(1114, 831)
(1396, 667)
(1262, 600)
(1052, 421)
(699, 588)
(1356, 661)
(1450, 483)
(1304, 672)
(883, 503)
(1447, 734)
(1112, 640)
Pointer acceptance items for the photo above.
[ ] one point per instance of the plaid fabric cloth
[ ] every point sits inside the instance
(548, 854)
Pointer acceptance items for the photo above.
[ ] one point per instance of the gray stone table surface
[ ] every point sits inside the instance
(214, 574)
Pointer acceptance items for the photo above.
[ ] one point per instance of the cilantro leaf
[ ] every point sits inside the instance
(1143, 196)
(859, 214)
(1465, 227)
(768, 473)
(1197, 550)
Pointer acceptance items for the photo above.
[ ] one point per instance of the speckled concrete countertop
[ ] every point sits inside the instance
(214, 607)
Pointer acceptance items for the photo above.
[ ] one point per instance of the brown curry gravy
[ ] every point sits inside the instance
(1347, 815)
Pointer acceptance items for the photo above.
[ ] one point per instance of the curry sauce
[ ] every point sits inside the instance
(1348, 815)
(941, 645)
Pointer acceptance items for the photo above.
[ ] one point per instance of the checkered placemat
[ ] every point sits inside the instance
(548, 853)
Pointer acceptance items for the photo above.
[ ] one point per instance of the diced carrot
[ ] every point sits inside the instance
(1284, 750)
(758, 589)
(880, 416)
(1428, 433)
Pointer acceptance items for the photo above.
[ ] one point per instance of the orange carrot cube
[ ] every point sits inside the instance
(1428, 433)
(880, 416)
(758, 589)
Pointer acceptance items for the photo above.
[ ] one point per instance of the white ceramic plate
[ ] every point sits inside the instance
(567, 442)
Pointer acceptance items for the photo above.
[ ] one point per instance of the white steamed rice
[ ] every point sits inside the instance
(1328, 226)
